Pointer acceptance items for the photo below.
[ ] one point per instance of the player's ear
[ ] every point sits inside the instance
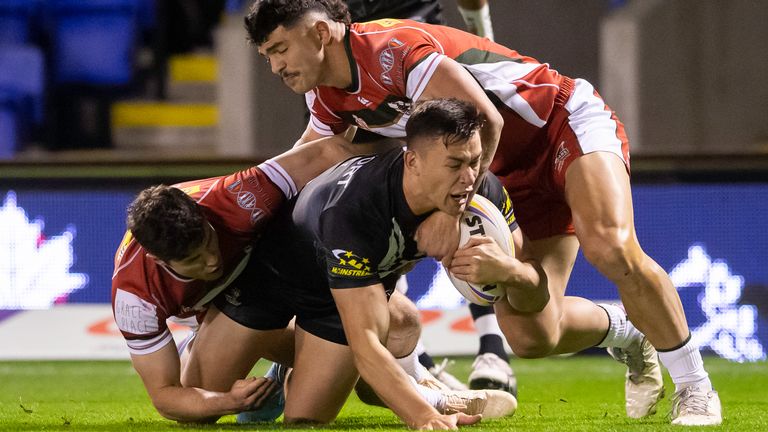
(411, 159)
(323, 30)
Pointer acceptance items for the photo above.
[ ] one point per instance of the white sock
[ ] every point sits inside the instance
(419, 348)
(686, 367)
(478, 21)
(621, 332)
(487, 325)
(413, 368)
(433, 397)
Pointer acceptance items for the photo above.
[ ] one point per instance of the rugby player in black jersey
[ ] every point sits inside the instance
(353, 231)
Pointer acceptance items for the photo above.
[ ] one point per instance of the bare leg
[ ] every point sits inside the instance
(598, 192)
(323, 376)
(566, 324)
(230, 351)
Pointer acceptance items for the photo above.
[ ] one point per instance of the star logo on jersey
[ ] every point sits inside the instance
(560, 156)
(347, 263)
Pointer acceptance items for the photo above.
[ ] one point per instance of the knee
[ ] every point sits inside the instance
(305, 421)
(531, 348)
(404, 317)
(614, 255)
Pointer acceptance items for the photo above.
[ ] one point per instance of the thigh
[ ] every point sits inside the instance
(324, 374)
(225, 351)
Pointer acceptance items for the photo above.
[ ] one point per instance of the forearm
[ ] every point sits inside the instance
(526, 286)
(378, 368)
(193, 405)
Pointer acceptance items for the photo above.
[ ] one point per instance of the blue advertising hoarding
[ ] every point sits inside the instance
(57, 246)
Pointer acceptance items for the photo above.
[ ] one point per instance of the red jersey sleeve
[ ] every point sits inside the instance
(246, 200)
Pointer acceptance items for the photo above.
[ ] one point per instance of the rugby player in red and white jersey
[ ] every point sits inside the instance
(211, 224)
(562, 155)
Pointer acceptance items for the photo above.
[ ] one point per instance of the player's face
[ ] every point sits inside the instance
(449, 173)
(203, 262)
(295, 55)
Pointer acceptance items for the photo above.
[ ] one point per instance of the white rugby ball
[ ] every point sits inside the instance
(482, 217)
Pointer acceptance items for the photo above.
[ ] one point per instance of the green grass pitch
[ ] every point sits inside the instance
(583, 393)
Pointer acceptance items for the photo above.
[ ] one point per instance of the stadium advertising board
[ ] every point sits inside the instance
(57, 247)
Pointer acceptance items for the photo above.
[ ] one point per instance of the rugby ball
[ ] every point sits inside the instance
(483, 218)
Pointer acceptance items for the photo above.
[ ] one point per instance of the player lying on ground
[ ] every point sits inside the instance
(562, 155)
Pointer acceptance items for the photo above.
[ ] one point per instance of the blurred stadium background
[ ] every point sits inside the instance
(100, 98)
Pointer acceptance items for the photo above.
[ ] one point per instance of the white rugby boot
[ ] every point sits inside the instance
(644, 386)
(490, 403)
(696, 406)
(489, 371)
(446, 378)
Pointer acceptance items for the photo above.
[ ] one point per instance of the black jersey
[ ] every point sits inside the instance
(361, 226)
(429, 11)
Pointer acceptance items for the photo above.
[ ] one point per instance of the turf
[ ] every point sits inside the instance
(582, 393)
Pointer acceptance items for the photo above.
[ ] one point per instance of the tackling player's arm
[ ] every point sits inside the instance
(365, 317)
(482, 261)
(160, 372)
(438, 236)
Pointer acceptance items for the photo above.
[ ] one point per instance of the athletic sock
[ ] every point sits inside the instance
(424, 358)
(491, 338)
(433, 397)
(620, 332)
(685, 366)
(413, 368)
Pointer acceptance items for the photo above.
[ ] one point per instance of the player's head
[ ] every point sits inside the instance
(293, 34)
(444, 151)
(172, 228)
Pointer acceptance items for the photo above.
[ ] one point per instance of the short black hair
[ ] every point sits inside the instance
(452, 119)
(266, 15)
(166, 222)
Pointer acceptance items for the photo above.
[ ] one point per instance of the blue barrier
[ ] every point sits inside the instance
(709, 237)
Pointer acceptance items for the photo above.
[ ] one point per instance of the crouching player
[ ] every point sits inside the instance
(350, 236)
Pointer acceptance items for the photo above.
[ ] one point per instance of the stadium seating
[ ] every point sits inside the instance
(8, 124)
(22, 87)
(17, 20)
(93, 41)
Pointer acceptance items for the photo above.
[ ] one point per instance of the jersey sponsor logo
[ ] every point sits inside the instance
(347, 264)
(123, 246)
(135, 315)
(350, 172)
(363, 101)
(560, 156)
(387, 59)
(247, 200)
(401, 106)
(386, 22)
(232, 296)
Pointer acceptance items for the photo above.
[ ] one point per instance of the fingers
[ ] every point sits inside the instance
(464, 419)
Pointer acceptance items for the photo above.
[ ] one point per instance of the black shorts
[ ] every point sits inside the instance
(262, 300)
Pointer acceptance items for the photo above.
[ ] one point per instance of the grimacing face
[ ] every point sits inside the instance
(295, 54)
(203, 262)
(448, 173)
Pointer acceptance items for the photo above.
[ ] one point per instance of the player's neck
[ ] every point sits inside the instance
(338, 72)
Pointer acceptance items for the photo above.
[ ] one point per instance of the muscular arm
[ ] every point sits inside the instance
(452, 80)
(160, 372)
(365, 317)
(482, 261)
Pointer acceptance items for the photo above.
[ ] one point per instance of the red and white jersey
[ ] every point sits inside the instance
(393, 60)
(146, 292)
